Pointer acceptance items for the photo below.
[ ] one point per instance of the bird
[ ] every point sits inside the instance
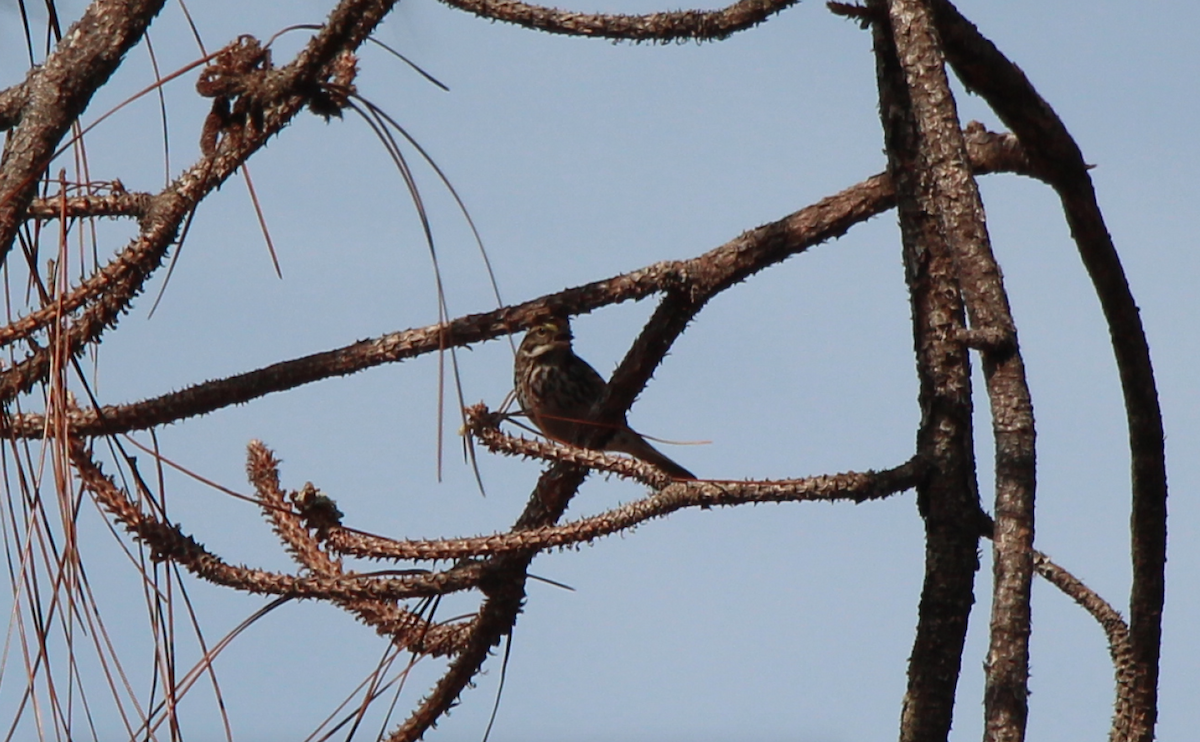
(557, 389)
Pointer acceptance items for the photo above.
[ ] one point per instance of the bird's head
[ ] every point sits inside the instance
(549, 335)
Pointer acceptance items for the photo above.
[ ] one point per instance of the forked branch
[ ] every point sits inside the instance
(278, 95)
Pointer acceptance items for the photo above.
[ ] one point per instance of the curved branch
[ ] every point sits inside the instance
(169, 542)
(1120, 649)
(404, 627)
(676, 25)
(262, 469)
(130, 268)
(1057, 158)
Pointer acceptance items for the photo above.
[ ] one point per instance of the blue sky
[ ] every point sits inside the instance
(580, 159)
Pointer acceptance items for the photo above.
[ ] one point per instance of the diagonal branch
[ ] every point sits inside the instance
(1115, 629)
(404, 627)
(504, 584)
(707, 274)
(130, 268)
(275, 98)
(56, 93)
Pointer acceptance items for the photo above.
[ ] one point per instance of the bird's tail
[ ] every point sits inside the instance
(627, 441)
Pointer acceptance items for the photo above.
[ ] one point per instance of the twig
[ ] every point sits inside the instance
(405, 628)
(169, 542)
(855, 487)
(1115, 629)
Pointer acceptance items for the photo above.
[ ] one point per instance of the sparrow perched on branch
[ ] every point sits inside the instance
(557, 389)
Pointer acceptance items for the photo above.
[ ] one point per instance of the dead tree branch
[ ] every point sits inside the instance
(1115, 629)
(711, 272)
(954, 199)
(55, 94)
(1057, 158)
(680, 25)
(268, 98)
(949, 499)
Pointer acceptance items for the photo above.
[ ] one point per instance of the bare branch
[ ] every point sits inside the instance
(668, 498)
(169, 542)
(1058, 159)
(657, 27)
(56, 93)
(949, 498)
(857, 487)
(712, 272)
(404, 627)
(504, 583)
(1119, 647)
(262, 469)
(495, 619)
(270, 100)
(959, 211)
(117, 203)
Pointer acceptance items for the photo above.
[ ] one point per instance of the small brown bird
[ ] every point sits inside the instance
(557, 389)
